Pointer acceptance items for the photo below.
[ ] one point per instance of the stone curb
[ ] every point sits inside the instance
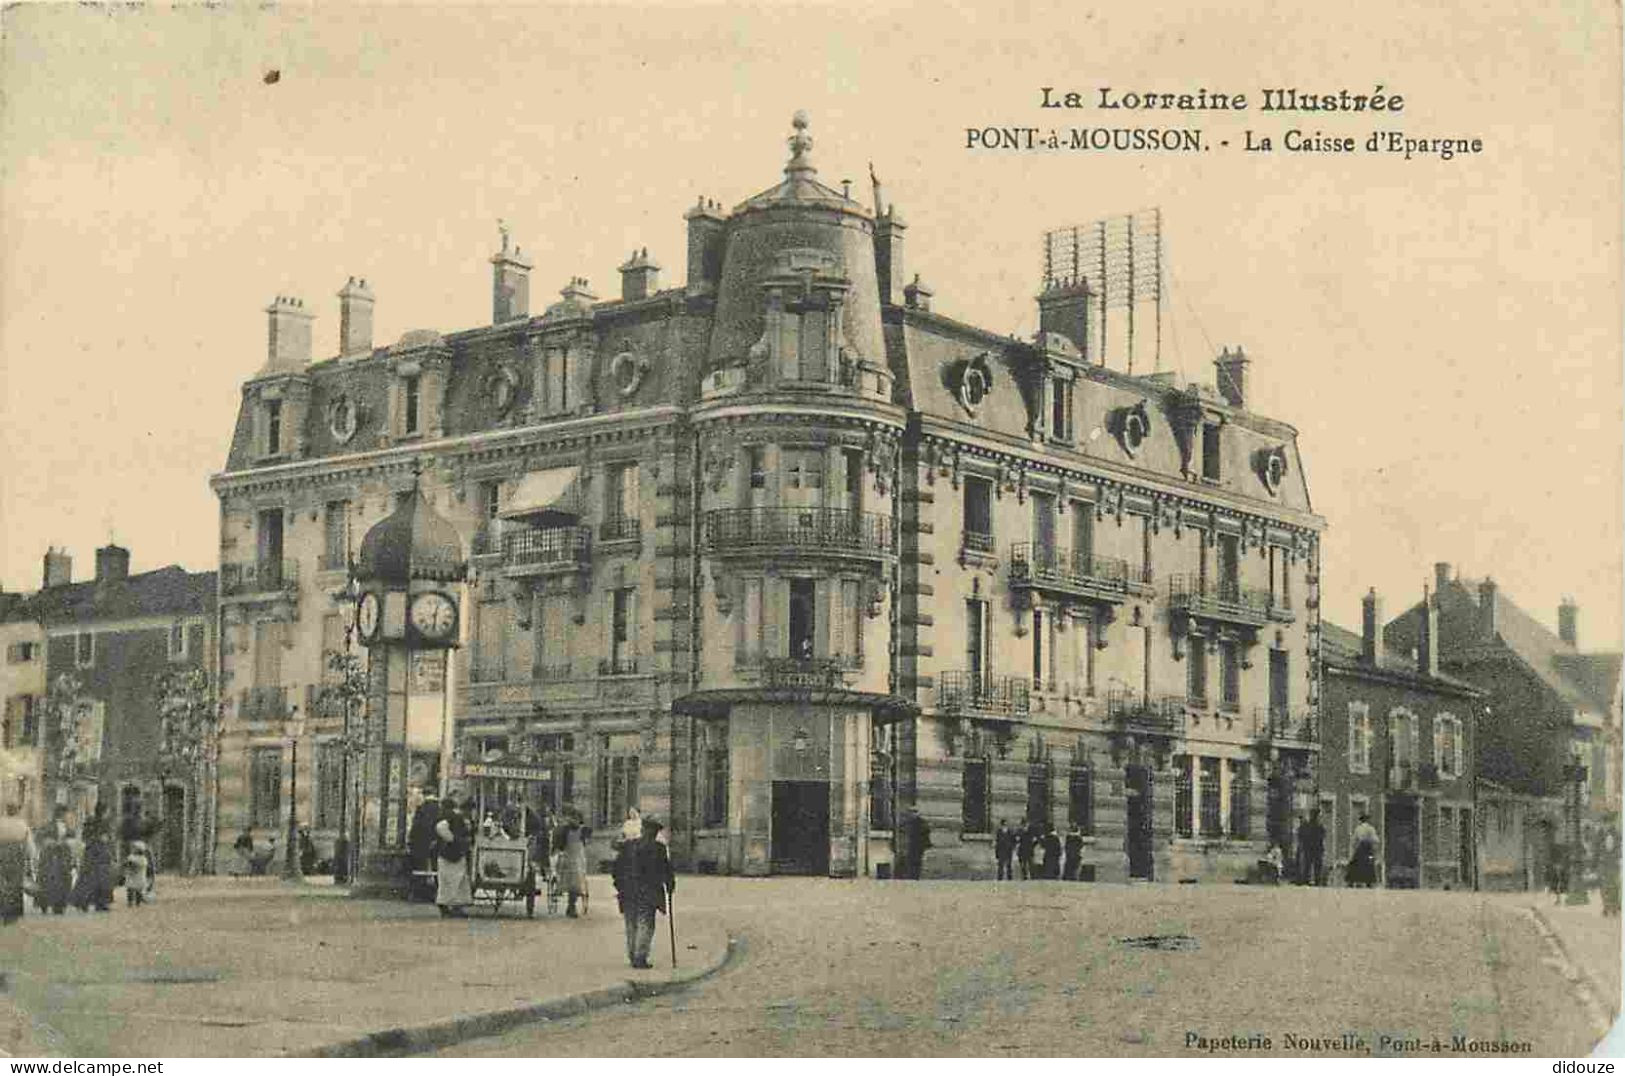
(399, 1041)
(1588, 992)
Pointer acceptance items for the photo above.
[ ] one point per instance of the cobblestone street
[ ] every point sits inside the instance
(1041, 968)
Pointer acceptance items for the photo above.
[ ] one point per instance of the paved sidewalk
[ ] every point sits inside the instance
(219, 967)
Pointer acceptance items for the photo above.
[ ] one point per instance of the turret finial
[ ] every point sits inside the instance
(801, 144)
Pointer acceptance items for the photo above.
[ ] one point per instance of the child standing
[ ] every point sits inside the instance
(137, 869)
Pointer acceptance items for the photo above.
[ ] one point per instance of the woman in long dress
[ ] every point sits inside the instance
(572, 843)
(1363, 867)
(54, 873)
(453, 889)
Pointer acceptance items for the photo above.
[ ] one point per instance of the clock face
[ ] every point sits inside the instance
(366, 616)
(434, 615)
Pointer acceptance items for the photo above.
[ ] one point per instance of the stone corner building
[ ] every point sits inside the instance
(780, 550)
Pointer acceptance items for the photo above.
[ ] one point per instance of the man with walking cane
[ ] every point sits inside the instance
(643, 879)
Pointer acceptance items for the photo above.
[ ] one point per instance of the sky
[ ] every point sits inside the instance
(1445, 335)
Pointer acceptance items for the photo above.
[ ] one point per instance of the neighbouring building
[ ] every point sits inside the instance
(781, 550)
(1398, 745)
(1551, 733)
(22, 690)
(115, 635)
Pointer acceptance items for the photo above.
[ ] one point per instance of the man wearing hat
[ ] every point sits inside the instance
(643, 877)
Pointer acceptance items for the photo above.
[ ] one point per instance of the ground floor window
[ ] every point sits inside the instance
(977, 808)
(1040, 774)
(1182, 796)
(1210, 798)
(1080, 795)
(329, 783)
(618, 777)
(880, 779)
(713, 758)
(1241, 798)
(265, 786)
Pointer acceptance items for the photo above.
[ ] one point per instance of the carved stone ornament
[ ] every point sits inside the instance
(1131, 426)
(1271, 464)
(502, 389)
(342, 419)
(971, 381)
(882, 459)
(626, 370)
(722, 591)
(719, 460)
(874, 596)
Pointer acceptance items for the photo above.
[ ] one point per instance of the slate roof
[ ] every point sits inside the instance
(1585, 681)
(170, 591)
(1346, 649)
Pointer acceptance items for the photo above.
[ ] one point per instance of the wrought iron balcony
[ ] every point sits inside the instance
(263, 704)
(1072, 573)
(977, 694)
(1219, 600)
(620, 529)
(811, 673)
(1286, 727)
(540, 551)
(1134, 711)
(781, 531)
(260, 577)
(976, 542)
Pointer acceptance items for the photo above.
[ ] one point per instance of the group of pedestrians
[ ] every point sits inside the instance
(440, 843)
(1038, 851)
(63, 866)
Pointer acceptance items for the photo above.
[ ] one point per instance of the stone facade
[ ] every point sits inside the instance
(116, 635)
(22, 692)
(1398, 743)
(780, 551)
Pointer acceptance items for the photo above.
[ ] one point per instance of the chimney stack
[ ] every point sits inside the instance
(510, 283)
(1486, 608)
(1371, 628)
(705, 235)
(1427, 651)
(112, 563)
(640, 277)
(1441, 574)
(355, 318)
(1231, 375)
(1064, 310)
(288, 338)
(1568, 622)
(889, 229)
(58, 567)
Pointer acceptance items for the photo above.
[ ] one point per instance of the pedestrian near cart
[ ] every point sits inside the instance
(1025, 842)
(16, 863)
(137, 874)
(453, 890)
(643, 880)
(571, 841)
(1073, 853)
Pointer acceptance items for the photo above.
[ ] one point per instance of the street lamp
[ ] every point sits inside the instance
(290, 866)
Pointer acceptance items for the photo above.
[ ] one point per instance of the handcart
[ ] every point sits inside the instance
(501, 869)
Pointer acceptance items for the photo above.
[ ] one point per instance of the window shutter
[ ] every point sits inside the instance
(632, 616)
(1353, 748)
(1414, 725)
(1457, 766)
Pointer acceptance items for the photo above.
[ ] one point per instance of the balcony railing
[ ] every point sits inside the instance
(1280, 724)
(976, 541)
(546, 549)
(263, 704)
(620, 529)
(261, 577)
(1137, 712)
(1070, 571)
(968, 691)
(793, 530)
(1219, 600)
(622, 666)
(807, 672)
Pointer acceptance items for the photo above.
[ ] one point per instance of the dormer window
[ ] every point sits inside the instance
(1211, 468)
(1060, 419)
(273, 427)
(411, 393)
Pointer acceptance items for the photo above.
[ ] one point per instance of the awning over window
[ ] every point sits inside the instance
(546, 497)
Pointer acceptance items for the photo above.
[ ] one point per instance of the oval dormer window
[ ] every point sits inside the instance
(342, 420)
